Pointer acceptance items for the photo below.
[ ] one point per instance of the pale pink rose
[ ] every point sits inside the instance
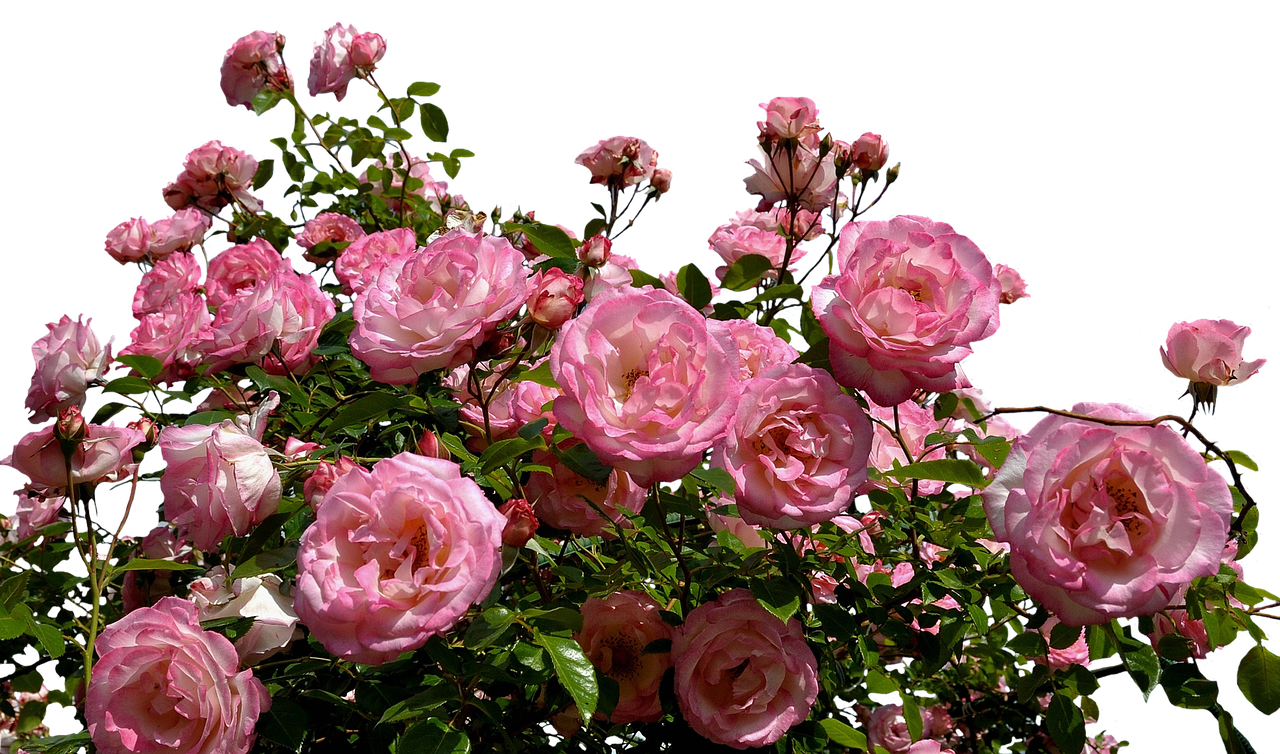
(887, 727)
(105, 453)
(615, 632)
(1107, 522)
(171, 334)
(163, 683)
(914, 425)
(797, 449)
(431, 310)
(359, 263)
(747, 534)
(327, 227)
(595, 251)
(367, 50)
(568, 501)
(331, 66)
(322, 479)
(511, 406)
(36, 509)
(180, 232)
(743, 677)
(788, 118)
(521, 524)
(239, 267)
(297, 450)
(396, 555)
(130, 241)
(612, 275)
(1012, 286)
(733, 242)
(869, 152)
(167, 280)
(758, 347)
(212, 177)
(280, 317)
(798, 174)
(911, 296)
(554, 297)
(219, 479)
(898, 575)
(1209, 352)
(1076, 654)
(253, 64)
(275, 626)
(646, 385)
(68, 358)
(433, 191)
(661, 180)
(619, 161)
(807, 224)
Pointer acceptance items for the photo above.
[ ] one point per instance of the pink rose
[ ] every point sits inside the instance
(661, 180)
(554, 297)
(431, 310)
(1012, 286)
(179, 232)
(619, 161)
(615, 632)
(130, 241)
(359, 263)
(912, 294)
(797, 450)
(915, 424)
(331, 66)
(105, 453)
(171, 334)
(1208, 353)
(887, 727)
(141, 588)
(566, 500)
(1076, 654)
(258, 597)
(167, 280)
(36, 509)
(219, 479)
(788, 118)
(396, 555)
(595, 251)
(521, 524)
(322, 479)
(613, 274)
(68, 358)
(758, 347)
(327, 227)
(253, 64)
(1107, 522)
(242, 266)
(212, 177)
(747, 534)
(743, 677)
(869, 152)
(646, 385)
(798, 174)
(280, 317)
(367, 50)
(162, 681)
(736, 240)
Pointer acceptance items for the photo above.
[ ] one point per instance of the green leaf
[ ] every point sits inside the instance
(945, 406)
(716, 478)
(1186, 687)
(432, 736)
(540, 374)
(1259, 679)
(503, 452)
(364, 410)
(951, 470)
(488, 627)
(549, 240)
(843, 734)
(28, 682)
(785, 291)
(13, 588)
(911, 713)
(282, 385)
(594, 226)
(1064, 636)
(573, 670)
(49, 637)
(263, 174)
(106, 412)
(1140, 660)
(267, 561)
(640, 279)
(151, 564)
(147, 366)
(31, 716)
(582, 461)
(127, 386)
(434, 124)
(779, 596)
(1066, 724)
(423, 89)
(1242, 460)
(745, 272)
(57, 744)
(1028, 644)
(694, 286)
(264, 100)
(285, 723)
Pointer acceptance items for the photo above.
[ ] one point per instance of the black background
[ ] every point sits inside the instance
(1121, 196)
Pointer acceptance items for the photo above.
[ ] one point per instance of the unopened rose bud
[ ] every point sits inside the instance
(555, 298)
(870, 152)
(429, 446)
(70, 428)
(842, 156)
(521, 522)
(367, 49)
(661, 180)
(150, 432)
(318, 484)
(595, 251)
(892, 175)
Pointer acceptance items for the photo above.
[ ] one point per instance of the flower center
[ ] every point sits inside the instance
(629, 381)
(619, 657)
(422, 546)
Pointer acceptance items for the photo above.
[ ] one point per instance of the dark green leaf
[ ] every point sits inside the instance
(1259, 679)
(911, 713)
(57, 744)
(264, 100)
(745, 272)
(595, 226)
(267, 561)
(432, 736)
(582, 461)
(958, 471)
(27, 682)
(285, 723)
(434, 124)
(549, 240)
(1186, 687)
(1064, 636)
(263, 174)
(13, 588)
(540, 374)
(127, 386)
(485, 629)
(573, 670)
(716, 478)
(785, 291)
(779, 596)
(843, 734)
(423, 89)
(945, 406)
(279, 384)
(503, 452)
(364, 410)
(106, 412)
(694, 286)
(1141, 662)
(147, 366)
(1028, 644)
(640, 279)
(1066, 724)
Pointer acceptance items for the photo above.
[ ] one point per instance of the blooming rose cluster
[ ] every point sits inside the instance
(68, 358)
(343, 55)
(136, 240)
(212, 177)
(620, 161)
(252, 65)
(104, 453)
(794, 168)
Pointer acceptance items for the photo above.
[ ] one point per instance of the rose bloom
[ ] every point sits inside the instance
(914, 425)
(130, 241)
(514, 405)
(212, 177)
(568, 501)
(522, 523)
(797, 449)
(331, 66)
(252, 65)
(161, 683)
(734, 241)
(68, 358)
(1059, 659)
(1107, 522)
(554, 297)
(798, 173)
(619, 161)
(367, 50)
(1012, 286)
(646, 385)
(36, 509)
(327, 227)
(758, 347)
(743, 677)
(280, 317)
(887, 727)
(179, 232)
(168, 279)
(595, 251)
(869, 152)
(431, 310)
(788, 118)
(171, 334)
(615, 631)
(612, 275)
(396, 555)
(747, 534)
(242, 266)
(359, 263)
(105, 453)
(912, 294)
(219, 479)
(258, 597)
(1208, 353)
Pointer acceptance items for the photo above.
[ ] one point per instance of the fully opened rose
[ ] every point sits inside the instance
(616, 630)
(646, 385)
(396, 555)
(1107, 521)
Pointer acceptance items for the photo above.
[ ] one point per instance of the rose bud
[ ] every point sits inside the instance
(367, 49)
(429, 446)
(149, 431)
(555, 298)
(870, 152)
(595, 251)
(70, 429)
(661, 180)
(1208, 353)
(521, 523)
